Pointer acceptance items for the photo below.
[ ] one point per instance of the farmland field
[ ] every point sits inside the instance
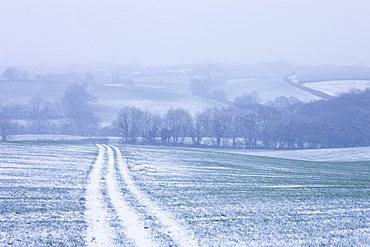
(104, 195)
(339, 87)
(42, 190)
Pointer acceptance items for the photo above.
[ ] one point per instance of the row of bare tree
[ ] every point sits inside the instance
(285, 123)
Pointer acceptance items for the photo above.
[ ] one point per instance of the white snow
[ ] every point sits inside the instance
(326, 154)
(337, 87)
(134, 226)
(178, 234)
(98, 232)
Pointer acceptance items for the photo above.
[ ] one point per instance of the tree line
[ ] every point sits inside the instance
(72, 114)
(285, 123)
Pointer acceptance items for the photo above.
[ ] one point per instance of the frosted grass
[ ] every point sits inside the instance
(257, 201)
(42, 190)
(182, 196)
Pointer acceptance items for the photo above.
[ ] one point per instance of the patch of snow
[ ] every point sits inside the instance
(134, 226)
(98, 233)
(337, 87)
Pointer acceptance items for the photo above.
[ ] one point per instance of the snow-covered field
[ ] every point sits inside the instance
(268, 88)
(105, 195)
(325, 154)
(42, 193)
(335, 88)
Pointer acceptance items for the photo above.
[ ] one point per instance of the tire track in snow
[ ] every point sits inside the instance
(98, 231)
(170, 227)
(99, 215)
(132, 223)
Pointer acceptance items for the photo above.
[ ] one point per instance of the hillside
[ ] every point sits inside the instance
(158, 89)
(333, 80)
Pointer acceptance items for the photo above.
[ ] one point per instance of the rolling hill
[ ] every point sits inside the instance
(158, 89)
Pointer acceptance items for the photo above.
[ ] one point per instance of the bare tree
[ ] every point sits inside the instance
(5, 127)
(220, 123)
(130, 123)
(153, 123)
(76, 102)
(200, 127)
(179, 123)
(249, 130)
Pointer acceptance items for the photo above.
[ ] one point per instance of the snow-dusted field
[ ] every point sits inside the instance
(239, 200)
(268, 89)
(335, 88)
(42, 193)
(325, 154)
(105, 195)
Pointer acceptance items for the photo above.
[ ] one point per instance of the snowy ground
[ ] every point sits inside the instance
(325, 154)
(112, 196)
(105, 195)
(240, 200)
(42, 193)
(335, 88)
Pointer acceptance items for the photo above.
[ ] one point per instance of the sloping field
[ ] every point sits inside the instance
(42, 193)
(152, 95)
(239, 200)
(335, 88)
(268, 88)
(104, 195)
(334, 80)
(157, 94)
(331, 73)
(355, 154)
(21, 92)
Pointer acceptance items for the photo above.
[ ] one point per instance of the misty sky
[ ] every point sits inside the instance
(168, 32)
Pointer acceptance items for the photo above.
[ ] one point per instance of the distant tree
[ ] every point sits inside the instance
(37, 107)
(247, 100)
(282, 103)
(198, 87)
(268, 120)
(200, 128)
(5, 127)
(219, 123)
(247, 122)
(130, 123)
(178, 122)
(234, 128)
(153, 123)
(76, 101)
(165, 135)
(11, 73)
(218, 95)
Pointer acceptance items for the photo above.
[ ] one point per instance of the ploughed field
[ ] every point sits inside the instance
(55, 194)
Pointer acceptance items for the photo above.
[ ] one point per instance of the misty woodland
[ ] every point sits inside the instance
(282, 123)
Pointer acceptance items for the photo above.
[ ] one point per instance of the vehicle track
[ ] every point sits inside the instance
(119, 214)
(98, 232)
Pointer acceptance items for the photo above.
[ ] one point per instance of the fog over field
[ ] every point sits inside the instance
(184, 123)
(165, 32)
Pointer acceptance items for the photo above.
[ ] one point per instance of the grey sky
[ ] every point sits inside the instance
(184, 31)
